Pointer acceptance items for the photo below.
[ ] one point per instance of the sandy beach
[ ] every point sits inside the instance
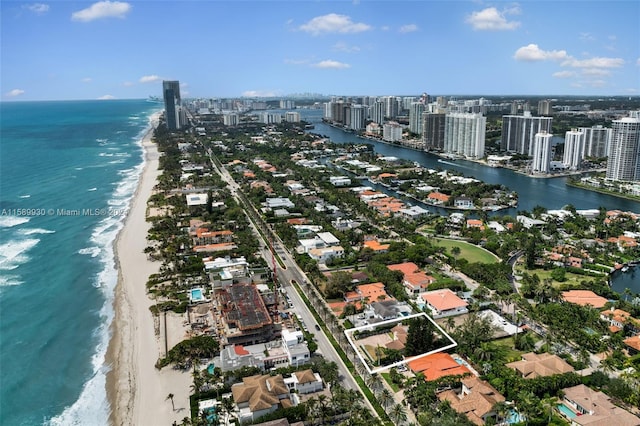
(137, 391)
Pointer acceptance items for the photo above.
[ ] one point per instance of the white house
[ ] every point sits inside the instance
(305, 381)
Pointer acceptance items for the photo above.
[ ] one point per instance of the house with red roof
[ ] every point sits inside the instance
(584, 298)
(437, 365)
(444, 303)
(415, 281)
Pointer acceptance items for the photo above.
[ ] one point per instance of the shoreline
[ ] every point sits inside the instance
(136, 391)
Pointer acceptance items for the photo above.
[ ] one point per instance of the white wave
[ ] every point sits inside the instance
(116, 161)
(35, 231)
(79, 168)
(104, 154)
(91, 251)
(92, 189)
(11, 221)
(101, 140)
(9, 280)
(26, 196)
(13, 253)
(92, 406)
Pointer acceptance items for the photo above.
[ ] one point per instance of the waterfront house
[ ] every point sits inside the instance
(259, 395)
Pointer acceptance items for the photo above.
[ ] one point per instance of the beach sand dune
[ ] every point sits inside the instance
(137, 391)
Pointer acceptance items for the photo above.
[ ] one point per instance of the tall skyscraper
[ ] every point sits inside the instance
(433, 131)
(624, 158)
(172, 104)
(542, 152)
(415, 117)
(518, 132)
(596, 141)
(464, 134)
(357, 117)
(544, 107)
(377, 112)
(573, 149)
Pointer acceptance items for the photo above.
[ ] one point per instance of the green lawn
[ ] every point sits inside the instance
(511, 353)
(468, 251)
(571, 278)
(387, 376)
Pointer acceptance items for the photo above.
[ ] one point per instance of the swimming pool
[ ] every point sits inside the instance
(195, 295)
(566, 411)
(210, 368)
(515, 417)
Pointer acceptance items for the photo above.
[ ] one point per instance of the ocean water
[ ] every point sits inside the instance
(68, 171)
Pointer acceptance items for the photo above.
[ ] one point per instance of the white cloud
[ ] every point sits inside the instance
(638, 62)
(599, 72)
(564, 74)
(127, 84)
(330, 64)
(597, 62)
(106, 97)
(87, 80)
(259, 93)
(532, 52)
(587, 37)
(333, 23)
(102, 9)
(493, 20)
(38, 8)
(149, 78)
(15, 92)
(408, 28)
(344, 47)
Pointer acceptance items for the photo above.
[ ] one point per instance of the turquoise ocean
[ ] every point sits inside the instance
(68, 171)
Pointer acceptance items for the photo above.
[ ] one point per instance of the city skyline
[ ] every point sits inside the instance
(123, 50)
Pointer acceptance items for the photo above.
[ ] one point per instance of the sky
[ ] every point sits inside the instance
(72, 49)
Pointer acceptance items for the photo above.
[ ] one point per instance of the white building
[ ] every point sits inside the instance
(464, 134)
(624, 159)
(358, 115)
(415, 117)
(197, 199)
(518, 132)
(542, 153)
(597, 140)
(292, 117)
(392, 132)
(230, 119)
(573, 149)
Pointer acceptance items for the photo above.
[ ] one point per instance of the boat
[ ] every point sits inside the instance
(624, 269)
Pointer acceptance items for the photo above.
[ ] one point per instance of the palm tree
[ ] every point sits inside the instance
(385, 398)
(549, 405)
(501, 408)
(455, 251)
(398, 414)
(170, 396)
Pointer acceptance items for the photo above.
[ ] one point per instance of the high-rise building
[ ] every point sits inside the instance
(624, 158)
(415, 117)
(464, 134)
(391, 107)
(357, 117)
(172, 104)
(542, 152)
(433, 131)
(230, 119)
(392, 131)
(292, 117)
(377, 112)
(518, 131)
(573, 149)
(596, 141)
(544, 107)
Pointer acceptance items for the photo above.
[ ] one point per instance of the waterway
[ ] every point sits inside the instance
(551, 193)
